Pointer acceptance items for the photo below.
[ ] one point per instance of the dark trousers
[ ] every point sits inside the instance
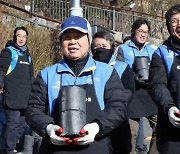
(16, 126)
(140, 144)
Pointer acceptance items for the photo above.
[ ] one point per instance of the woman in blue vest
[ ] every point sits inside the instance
(106, 98)
(103, 50)
(16, 74)
(165, 85)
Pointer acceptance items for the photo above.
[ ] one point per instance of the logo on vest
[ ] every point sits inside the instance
(96, 80)
(89, 81)
(170, 55)
(24, 62)
(16, 57)
(57, 85)
(178, 67)
(131, 53)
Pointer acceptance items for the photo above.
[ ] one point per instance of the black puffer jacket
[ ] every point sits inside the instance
(114, 114)
(164, 91)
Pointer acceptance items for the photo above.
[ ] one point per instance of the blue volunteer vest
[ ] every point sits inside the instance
(94, 72)
(15, 53)
(167, 55)
(130, 51)
(118, 65)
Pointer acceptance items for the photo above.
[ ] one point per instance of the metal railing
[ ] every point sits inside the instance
(111, 18)
(103, 15)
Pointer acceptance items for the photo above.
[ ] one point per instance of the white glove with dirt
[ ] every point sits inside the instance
(54, 132)
(90, 130)
(174, 116)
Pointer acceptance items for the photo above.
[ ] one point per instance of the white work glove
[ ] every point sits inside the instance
(90, 131)
(173, 116)
(1, 89)
(54, 132)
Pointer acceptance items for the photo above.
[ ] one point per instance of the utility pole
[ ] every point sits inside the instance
(76, 9)
(32, 6)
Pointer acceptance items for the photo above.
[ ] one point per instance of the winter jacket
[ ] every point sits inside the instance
(125, 73)
(164, 84)
(16, 76)
(110, 93)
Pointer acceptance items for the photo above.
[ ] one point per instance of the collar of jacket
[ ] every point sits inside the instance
(13, 44)
(132, 44)
(90, 65)
(173, 44)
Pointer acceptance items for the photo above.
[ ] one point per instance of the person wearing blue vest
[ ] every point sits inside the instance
(16, 76)
(164, 85)
(141, 146)
(103, 50)
(138, 53)
(50, 107)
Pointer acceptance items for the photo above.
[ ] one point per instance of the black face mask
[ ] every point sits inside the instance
(102, 54)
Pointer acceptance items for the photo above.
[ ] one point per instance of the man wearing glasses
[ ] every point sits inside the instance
(138, 53)
(164, 85)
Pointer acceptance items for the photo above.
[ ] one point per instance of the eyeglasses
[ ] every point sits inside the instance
(174, 22)
(21, 36)
(140, 31)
